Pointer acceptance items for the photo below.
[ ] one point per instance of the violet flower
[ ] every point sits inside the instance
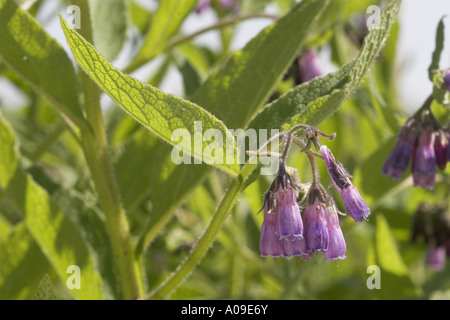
(356, 207)
(309, 67)
(295, 248)
(436, 256)
(424, 160)
(398, 160)
(337, 247)
(269, 242)
(289, 222)
(315, 226)
(441, 149)
(447, 79)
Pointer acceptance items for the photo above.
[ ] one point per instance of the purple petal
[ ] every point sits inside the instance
(315, 227)
(436, 257)
(269, 243)
(398, 160)
(337, 247)
(289, 221)
(356, 207)
(424, 168)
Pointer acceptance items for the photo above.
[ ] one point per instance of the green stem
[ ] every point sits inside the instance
(51, 138)
(220, 24)
(96, 152)
(185, 269)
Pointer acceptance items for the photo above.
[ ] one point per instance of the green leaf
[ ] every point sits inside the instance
(183, 179)
(22, 264)
(8, 157)
(45, 290)
(165, 23)
(243, 85)
(109, 26)
(29, 51)
(159, 112)
(55, 234)
(436, 57)
(388, 255)
(325, 106)
(297, 100)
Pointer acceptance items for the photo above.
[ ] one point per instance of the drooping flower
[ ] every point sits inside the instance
(441, 149)
(308, 67)
(436, 256)
(282, 228)
(356, 207)
(398, 160)
(289, 222)
(337, 247)
(315, 226)
(269, 242)
(424, 160)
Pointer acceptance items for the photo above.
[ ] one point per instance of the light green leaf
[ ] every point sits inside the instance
(242, 86)
(109, 26)
(29, 51)
(159, 112)
(297, 100)
(45, 290)
(23, 264)
(55, 234)
(8, 157)
(439, 46)
(388, 255)
(165, 23)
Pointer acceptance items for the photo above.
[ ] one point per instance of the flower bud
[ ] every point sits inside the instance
(398, 160)
(441, 149)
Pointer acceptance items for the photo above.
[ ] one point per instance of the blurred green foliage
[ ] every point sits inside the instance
(50, 216)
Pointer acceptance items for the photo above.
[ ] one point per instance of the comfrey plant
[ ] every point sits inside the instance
(301, 227)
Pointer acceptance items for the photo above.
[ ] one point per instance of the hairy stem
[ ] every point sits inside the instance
(96, 152)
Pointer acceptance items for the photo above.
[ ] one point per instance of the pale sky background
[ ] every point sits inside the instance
(418, 22)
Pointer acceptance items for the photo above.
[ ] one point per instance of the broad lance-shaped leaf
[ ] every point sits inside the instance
(297, 100)
(236, 92)
(166, 20)
(56, 235)
(161, 113)
(34, 55)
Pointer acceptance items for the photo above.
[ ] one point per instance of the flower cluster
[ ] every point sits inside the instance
(423, 141)
(302, 227)
(432, 223)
